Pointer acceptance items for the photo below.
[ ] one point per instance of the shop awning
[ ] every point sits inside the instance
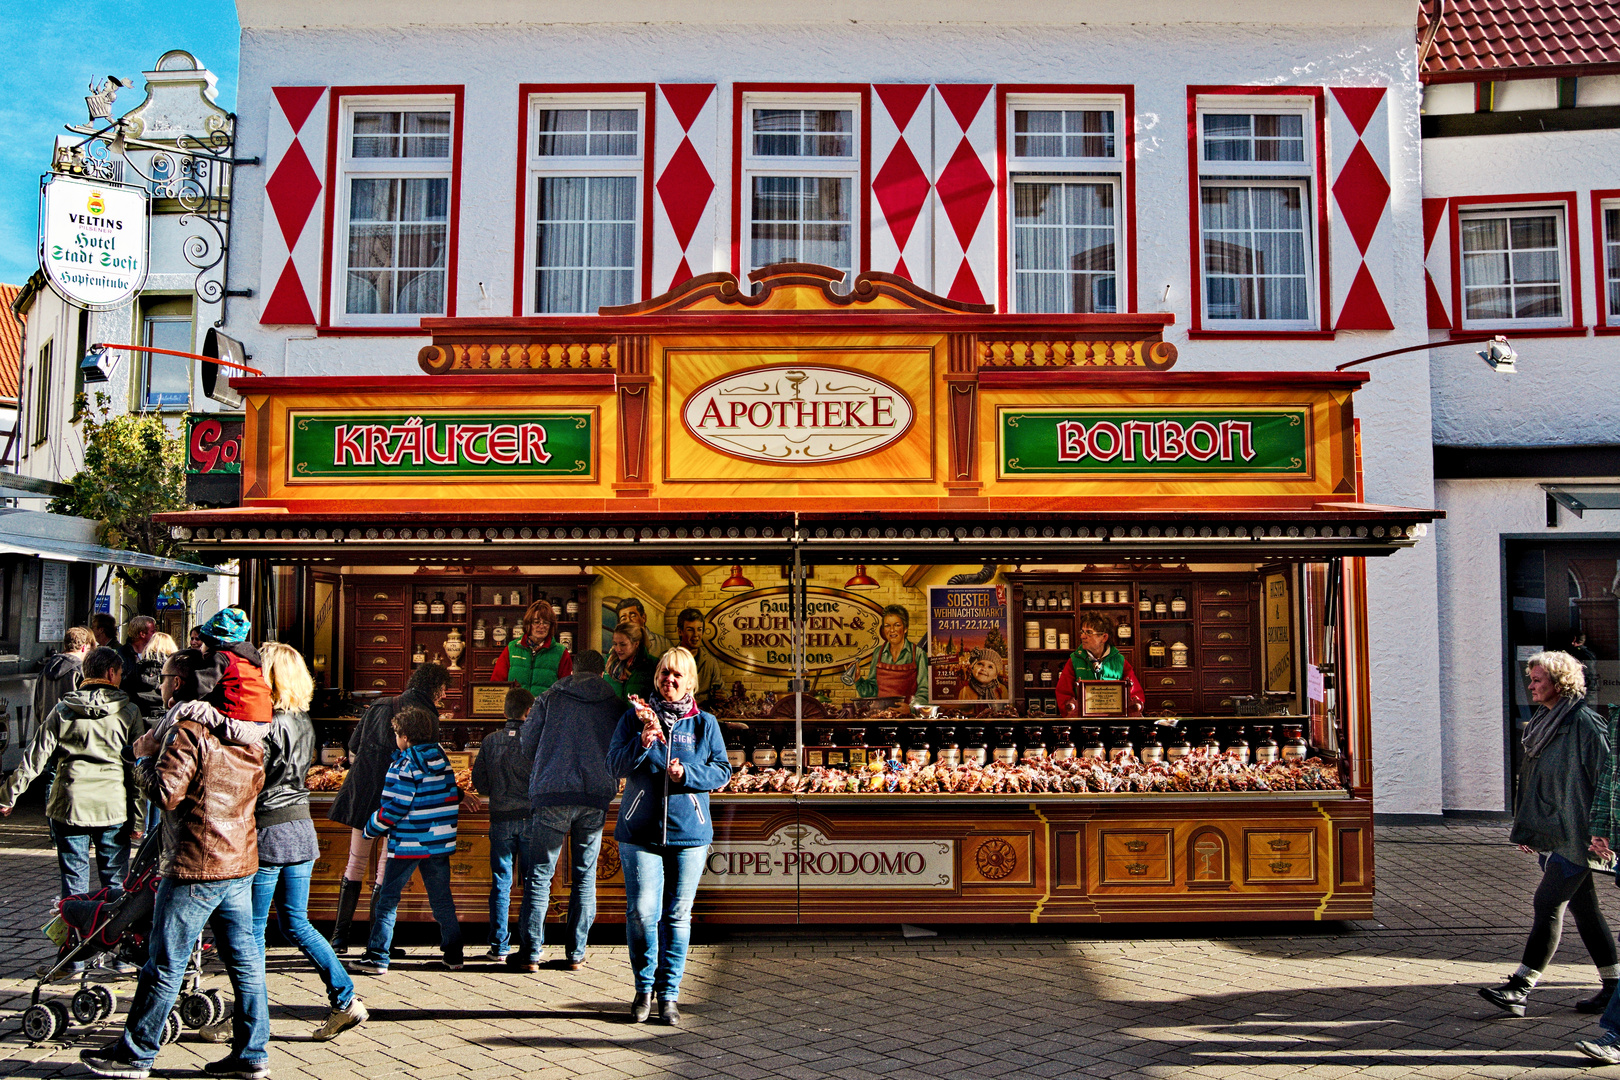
(76, 551)
(1325, 530)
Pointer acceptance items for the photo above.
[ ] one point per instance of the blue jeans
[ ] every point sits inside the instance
(288, 887)
(660, 884)
(580, 827)
(505, 844)
(73, 846)
(182, 910)
(436, 878)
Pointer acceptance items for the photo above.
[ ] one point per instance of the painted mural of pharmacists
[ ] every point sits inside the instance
(897, 668)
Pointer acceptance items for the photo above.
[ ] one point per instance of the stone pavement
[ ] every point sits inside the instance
(1393, 997)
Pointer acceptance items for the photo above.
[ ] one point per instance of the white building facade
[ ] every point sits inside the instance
(1255, 173)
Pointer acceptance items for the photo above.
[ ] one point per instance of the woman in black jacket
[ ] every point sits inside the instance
(1566, 747)
(371, 748)
(146, 690)
(287, 845)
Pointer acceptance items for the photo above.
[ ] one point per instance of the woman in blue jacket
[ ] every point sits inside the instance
(671, 755)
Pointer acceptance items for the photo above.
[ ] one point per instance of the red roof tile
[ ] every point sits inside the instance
(1507, 38)
(10, 343)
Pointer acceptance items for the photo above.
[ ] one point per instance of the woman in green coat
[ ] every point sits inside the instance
(629, 668)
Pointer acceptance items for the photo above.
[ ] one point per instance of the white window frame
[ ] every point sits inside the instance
(547, 165)
(1559, 212)
(1253, 174)
(350, 168)
(1612, 314)
(1089, 170)
(822, 167)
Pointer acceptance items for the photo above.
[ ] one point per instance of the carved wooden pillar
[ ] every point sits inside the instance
(256, 481)
(633, 381)
(962, 408)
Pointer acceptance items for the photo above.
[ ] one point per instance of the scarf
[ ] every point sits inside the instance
(670, 711)
(1544, 724)
(619, 670)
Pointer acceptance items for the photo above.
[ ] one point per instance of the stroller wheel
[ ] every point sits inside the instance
(221, 1005)
(86, 1006)
(45, 1022)
(106, 1000)
(171, 1028)
(196, 1010)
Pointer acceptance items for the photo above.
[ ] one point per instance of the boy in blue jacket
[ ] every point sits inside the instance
(420, 808)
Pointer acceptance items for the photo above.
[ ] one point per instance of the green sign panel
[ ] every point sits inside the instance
(409, 447)
(1154, 443)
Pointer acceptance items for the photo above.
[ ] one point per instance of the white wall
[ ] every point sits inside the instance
(1187, 44)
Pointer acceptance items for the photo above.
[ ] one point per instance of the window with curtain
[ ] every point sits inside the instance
(801, 165)
(585, 166)
(1066, 174)
(1611, 259)
(1512, 267)
(1257, 242)
(396, 214)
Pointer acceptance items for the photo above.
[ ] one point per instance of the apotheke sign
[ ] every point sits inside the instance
(92, 240)
(803, 856)
(793, 414)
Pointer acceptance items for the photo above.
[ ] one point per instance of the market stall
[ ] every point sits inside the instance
(1012, 621)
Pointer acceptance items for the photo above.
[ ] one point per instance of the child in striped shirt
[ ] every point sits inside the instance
(420, 807)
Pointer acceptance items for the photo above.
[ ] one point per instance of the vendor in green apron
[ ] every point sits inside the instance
(896, 668)
(1097, 659)
(535, 659)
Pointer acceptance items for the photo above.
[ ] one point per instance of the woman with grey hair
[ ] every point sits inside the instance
(1565, 749)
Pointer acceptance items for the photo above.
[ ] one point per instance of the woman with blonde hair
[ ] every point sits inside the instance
(672, 755)
(1565, 748)
(287, 847)
(147, 688)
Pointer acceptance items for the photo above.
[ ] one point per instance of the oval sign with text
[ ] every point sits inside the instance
(798, 414)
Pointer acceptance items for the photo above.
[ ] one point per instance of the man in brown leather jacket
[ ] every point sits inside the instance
(205, 770)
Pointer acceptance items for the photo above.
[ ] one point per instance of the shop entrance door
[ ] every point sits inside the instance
(1561, 595)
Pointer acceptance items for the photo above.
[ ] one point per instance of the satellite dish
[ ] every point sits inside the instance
(216, 346)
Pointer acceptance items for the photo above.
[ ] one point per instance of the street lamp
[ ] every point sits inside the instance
(1498, 354)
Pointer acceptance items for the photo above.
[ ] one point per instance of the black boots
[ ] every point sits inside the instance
(1510, 996)
(640, 1008)
(1598, 1001)
(348, 897)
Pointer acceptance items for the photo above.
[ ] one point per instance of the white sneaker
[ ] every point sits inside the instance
(217, 1033)
(340, 1020)
(1606, 1049)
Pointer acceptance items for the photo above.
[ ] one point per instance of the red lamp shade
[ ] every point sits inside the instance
(736, 582)
(861, 580)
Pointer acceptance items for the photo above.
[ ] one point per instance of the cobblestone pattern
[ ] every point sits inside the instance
(1393, 997)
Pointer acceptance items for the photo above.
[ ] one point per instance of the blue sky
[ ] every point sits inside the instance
(53, 48)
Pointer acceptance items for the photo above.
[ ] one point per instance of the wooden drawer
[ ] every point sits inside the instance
(1227, 681)
(1218, 634)
(378, 661)
(1226, 658)
(1284, 856)
(379, 594)
(1135, 857)
(1155, 682)
(372, 615)
(1222, 592)
(380, 637)
(389, 682)
(1224, 614)
(1159, 701)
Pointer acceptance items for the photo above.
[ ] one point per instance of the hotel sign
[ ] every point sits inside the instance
(1157, 443)
(798, 414)
(92, 240)
(433, 445)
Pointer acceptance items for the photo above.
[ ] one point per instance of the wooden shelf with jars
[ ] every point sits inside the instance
(1190, 637)
(461, 620)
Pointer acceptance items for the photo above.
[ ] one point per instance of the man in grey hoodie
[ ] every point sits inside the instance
(566, 737)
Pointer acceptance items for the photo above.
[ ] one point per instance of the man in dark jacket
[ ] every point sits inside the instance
(566, 737)
(501, 774)
(137, 636)
(205, 770)
(62, 672)
(86, 736)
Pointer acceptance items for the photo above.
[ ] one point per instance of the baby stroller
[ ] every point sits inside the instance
(115, 922)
